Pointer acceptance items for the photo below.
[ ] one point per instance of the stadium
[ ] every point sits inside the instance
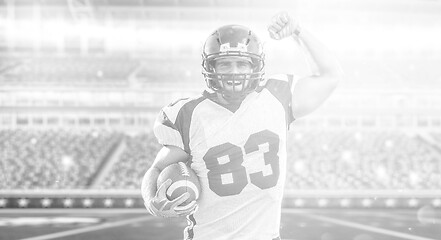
(82, 82)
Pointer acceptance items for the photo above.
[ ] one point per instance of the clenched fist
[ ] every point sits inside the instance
(282, 26)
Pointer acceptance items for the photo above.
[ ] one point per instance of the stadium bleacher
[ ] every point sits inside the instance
(362, 160)
(68, 71)
(169, 70)
(127, 172)
(52, 159)
(352, 160)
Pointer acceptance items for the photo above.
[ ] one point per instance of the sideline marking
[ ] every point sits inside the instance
(392, 215)
(73, 210)
(363, 227)
(90, 229)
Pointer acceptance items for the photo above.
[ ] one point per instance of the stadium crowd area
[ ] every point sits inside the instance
(52, 159)
(316, 159)
(138, 156)
(363, 160)
(95, 71)
(73, 71)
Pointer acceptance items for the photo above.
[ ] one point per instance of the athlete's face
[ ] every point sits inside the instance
(234, 65)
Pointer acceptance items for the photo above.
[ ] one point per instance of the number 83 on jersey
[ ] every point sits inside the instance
(235, 168)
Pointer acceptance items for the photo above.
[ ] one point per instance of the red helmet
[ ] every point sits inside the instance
(235, 41)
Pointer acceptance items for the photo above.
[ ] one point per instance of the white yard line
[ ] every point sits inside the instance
(90, 229)
(389, 215)
(73, 210)
(362, 226)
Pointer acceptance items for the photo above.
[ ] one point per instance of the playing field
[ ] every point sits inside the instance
(299, 224)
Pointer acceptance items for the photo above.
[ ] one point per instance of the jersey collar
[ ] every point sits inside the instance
(232, 107)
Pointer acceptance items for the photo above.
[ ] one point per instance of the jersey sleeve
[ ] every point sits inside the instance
(172, 126)
(281, 86)
(166, 132)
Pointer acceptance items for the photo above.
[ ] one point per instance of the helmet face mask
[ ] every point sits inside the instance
(233, 41)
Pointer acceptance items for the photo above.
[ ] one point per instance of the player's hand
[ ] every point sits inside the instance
(282, 25)
(160, 206)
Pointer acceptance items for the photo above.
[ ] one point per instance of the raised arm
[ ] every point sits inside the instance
(309, 92)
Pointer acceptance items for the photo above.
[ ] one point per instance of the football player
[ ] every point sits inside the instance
(233, 135)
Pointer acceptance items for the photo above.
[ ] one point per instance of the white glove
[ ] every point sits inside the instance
(283, 25)
(160, 206)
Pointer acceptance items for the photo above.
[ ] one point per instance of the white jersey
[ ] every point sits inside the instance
(239, 155)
